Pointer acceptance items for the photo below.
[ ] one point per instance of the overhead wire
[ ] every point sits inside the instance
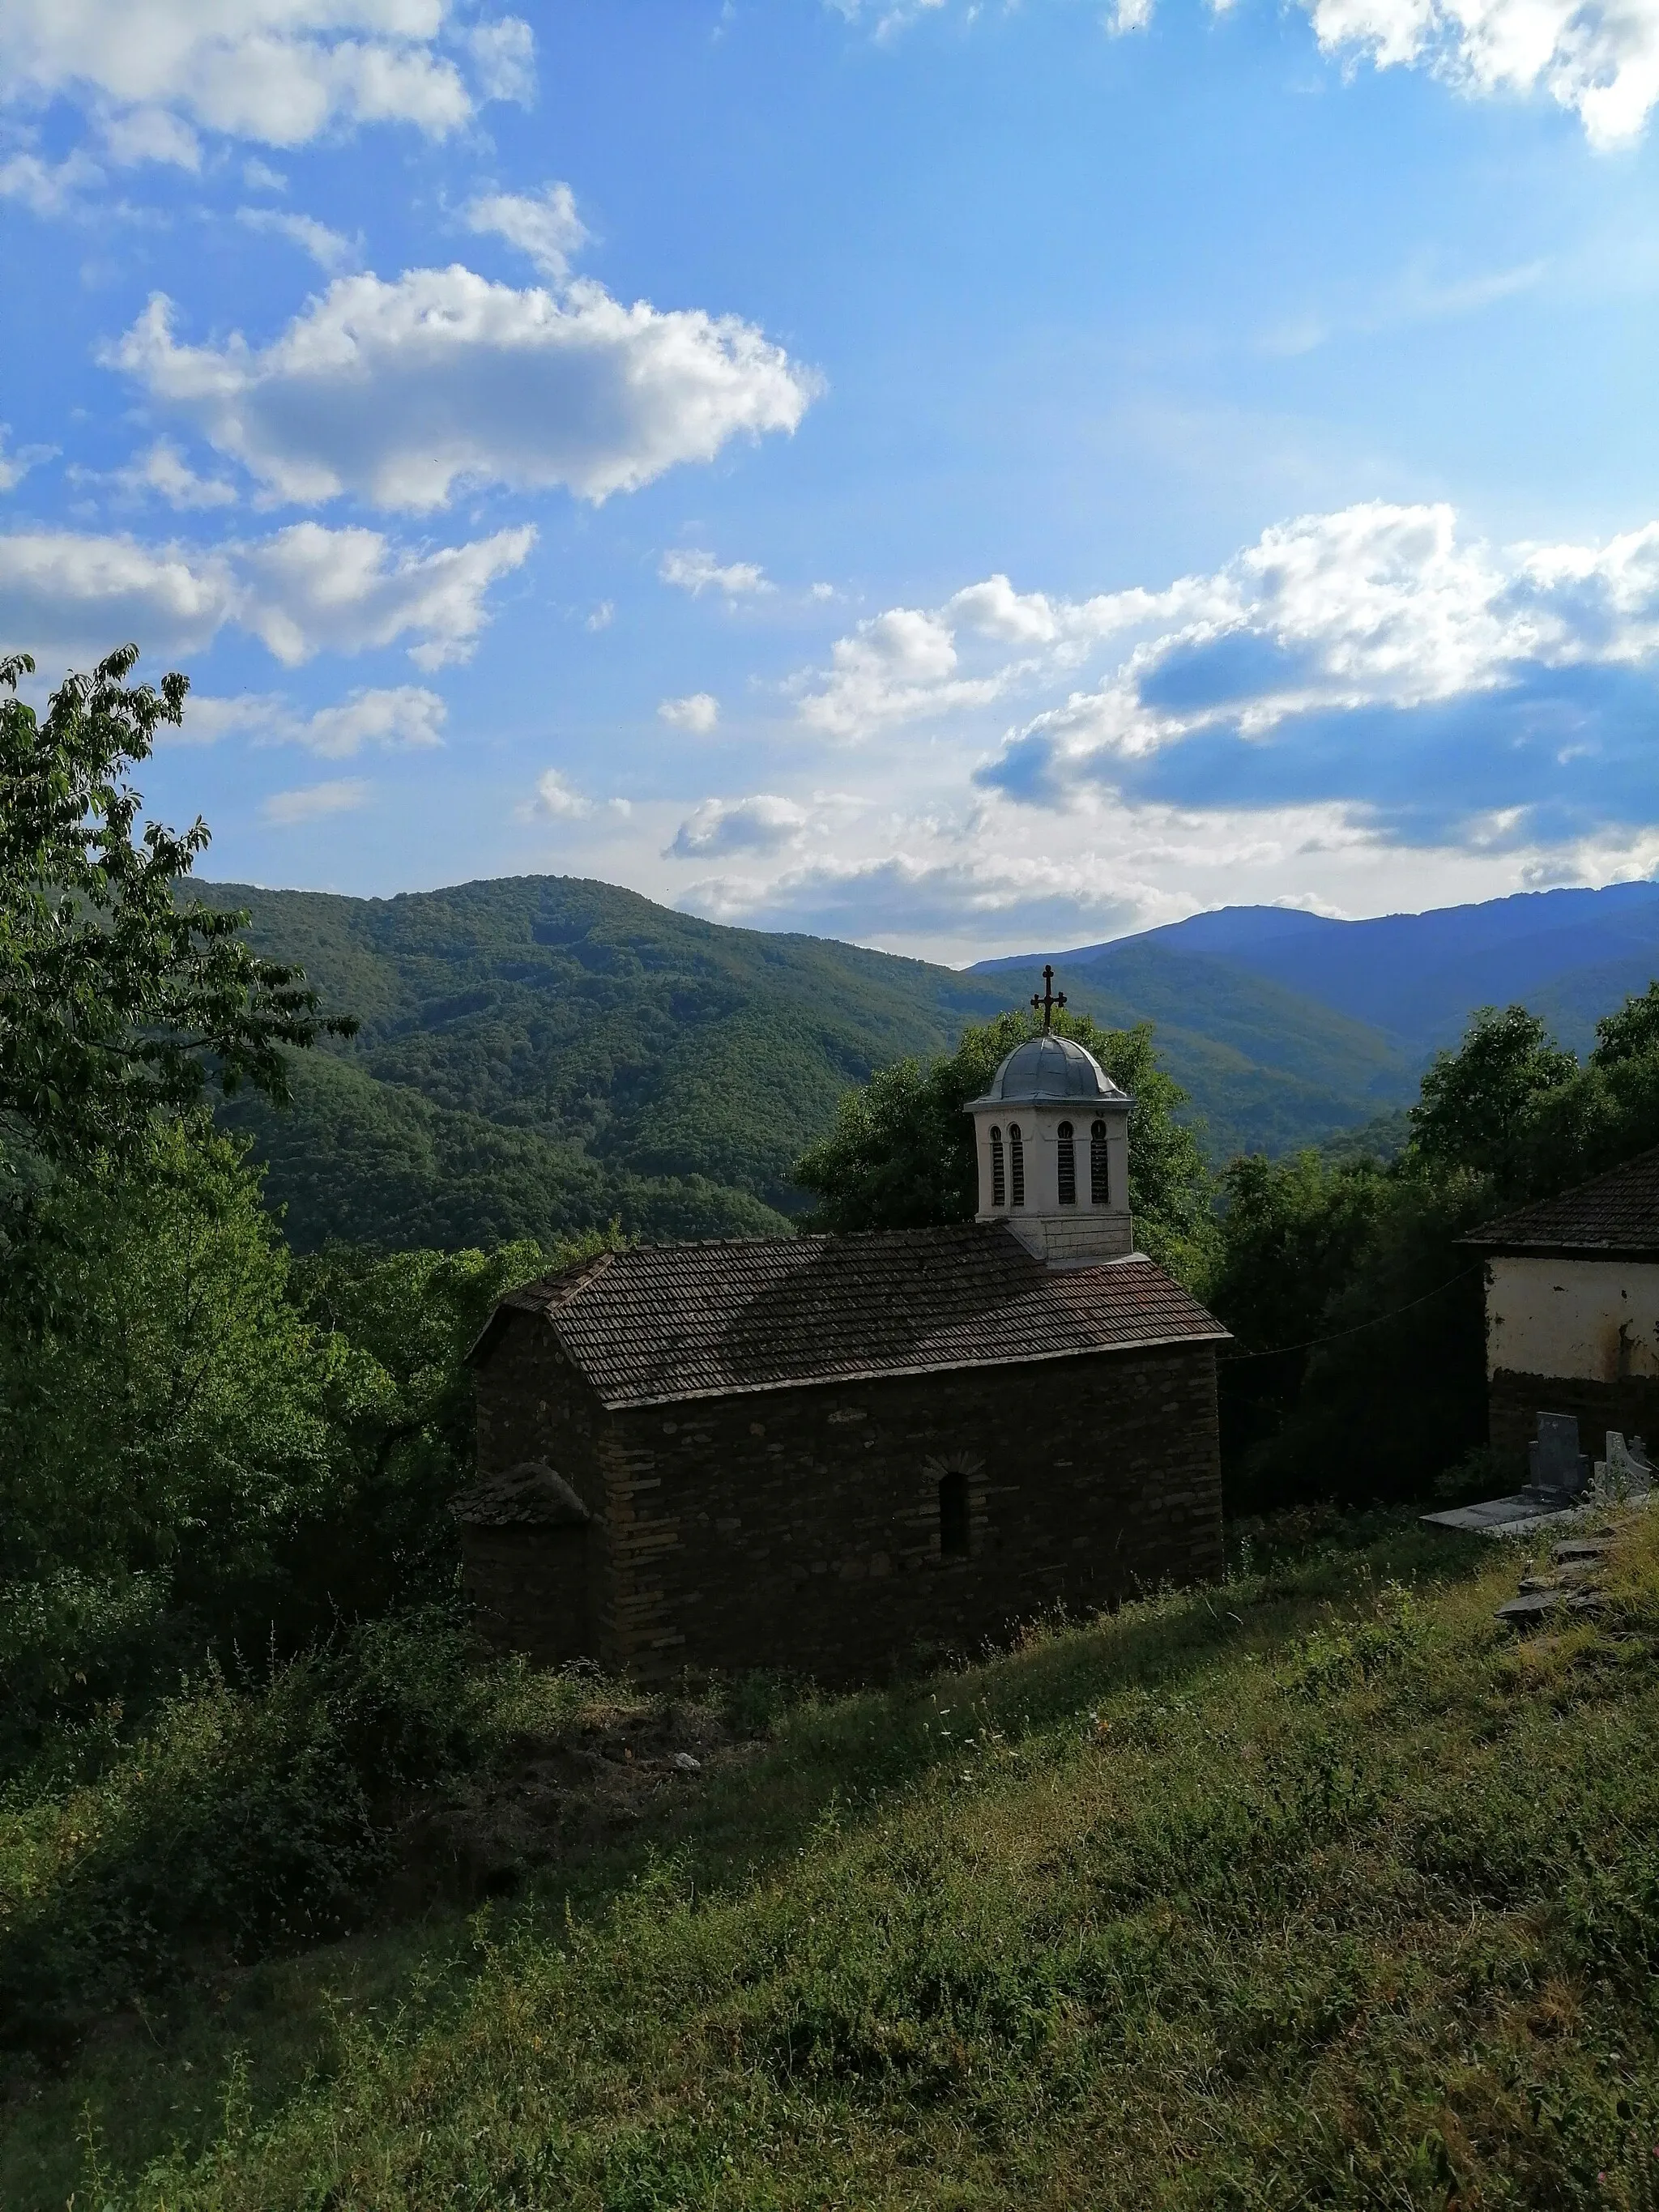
(1312, 1343)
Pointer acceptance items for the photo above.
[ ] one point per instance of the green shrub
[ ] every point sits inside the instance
(249, 1818)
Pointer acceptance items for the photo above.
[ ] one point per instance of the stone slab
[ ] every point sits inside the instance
(1531, 1604)
(1502, 1516)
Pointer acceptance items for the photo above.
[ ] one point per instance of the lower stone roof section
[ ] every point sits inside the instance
(669, 1321)
(529, 1495)
(1613, 1214)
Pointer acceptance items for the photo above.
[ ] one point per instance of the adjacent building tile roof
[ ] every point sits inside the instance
(1616, 1212)
(667, 1322)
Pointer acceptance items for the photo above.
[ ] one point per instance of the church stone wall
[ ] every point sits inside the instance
(801, 1528)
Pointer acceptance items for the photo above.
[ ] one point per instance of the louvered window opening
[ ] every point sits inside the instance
(1067, 1164)
(1016, 1163)
(998, 1180)
(1100, 1189)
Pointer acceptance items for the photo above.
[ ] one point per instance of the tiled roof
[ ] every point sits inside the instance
(530, 1494)
(667, 1322)
(1617, 1212)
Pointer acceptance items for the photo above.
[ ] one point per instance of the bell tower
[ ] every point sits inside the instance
(1052, 1135)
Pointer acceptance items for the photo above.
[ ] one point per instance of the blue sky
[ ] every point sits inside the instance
(959, 478)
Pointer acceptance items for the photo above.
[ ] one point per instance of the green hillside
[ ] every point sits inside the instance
(1315, 1888)
(378, 1164)
(541, 1053)
(581, 1040)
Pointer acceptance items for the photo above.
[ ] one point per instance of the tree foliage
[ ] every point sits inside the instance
(118, 1001)
(1358, 1311)
(1477, 1105)
(900, 1152)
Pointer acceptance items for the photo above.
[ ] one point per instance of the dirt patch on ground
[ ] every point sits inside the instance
(556, 1795)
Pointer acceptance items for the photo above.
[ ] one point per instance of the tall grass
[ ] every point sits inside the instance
(1315, 1888)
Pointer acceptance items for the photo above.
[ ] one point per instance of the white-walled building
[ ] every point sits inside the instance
(1572, 1309)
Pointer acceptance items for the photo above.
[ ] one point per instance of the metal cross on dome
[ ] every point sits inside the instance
(1051, 1001)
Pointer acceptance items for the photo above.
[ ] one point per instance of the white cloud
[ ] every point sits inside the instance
(400, 392)
(304, 591)
(698, 572)
(48, 188)
(284, 810)
(61, 591)
(543, 225)
(1375, 605)
(504, 59)
(1001, 878)
(16, 464)
(602, 616)
(279, 72)
(698, 713)
(150, 134)
(558, 799)
(329, 249)
(1598, 58)
(404, 718)
(308, 588)
(910, 664)
(1368, 708)
(761, 824)
(259, 176)
(1379, 601)
(162, 469)
(1602, 61)
(895, 667)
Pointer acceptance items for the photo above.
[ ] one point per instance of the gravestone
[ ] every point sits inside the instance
(1625, 1472)
(1557, 1467)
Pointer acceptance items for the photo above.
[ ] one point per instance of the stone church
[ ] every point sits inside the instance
(830, 1453)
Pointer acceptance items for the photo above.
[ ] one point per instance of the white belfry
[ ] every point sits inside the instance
(1052, 1134)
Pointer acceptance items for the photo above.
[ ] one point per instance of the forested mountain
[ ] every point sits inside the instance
(539, 1054)
(1569, 955)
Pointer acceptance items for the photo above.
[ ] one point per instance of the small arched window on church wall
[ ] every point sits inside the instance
(999, 1181)
(1100, 1186)
(1067, 1165)
(954, 1524)
(1016, 1163)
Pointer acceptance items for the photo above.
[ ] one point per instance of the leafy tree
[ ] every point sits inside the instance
(116, 1000)
(398, 1400)
(900, 1152)
(162, 1425)
(1630, 1033)
(1477, 1105)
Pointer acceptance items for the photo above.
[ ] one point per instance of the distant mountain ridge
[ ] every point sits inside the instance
(1570, 955)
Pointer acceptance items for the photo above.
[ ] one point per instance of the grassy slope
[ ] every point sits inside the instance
(1312, 1889)
(620, 1044)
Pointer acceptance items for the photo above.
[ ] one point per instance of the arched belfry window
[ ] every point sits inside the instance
(1016, 1165)
(998, 1180)
(1100, 1185)
(1067, 1165)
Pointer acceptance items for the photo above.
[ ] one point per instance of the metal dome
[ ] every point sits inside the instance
(1051, 1070)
